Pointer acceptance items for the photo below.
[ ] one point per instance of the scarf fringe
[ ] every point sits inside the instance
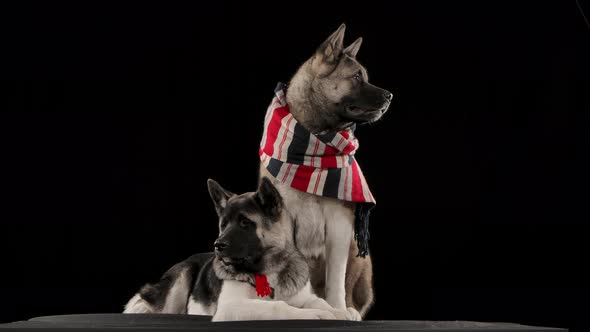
(362, 213)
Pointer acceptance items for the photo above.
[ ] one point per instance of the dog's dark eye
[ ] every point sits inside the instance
(358, 76)
(245, 222)
(223, 223)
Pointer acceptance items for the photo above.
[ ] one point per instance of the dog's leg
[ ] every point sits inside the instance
(305, 298)
(254, 309)
(359, 281)
(167, 296)
(363, 297)
(339, 230)
(237, 301)
(137, 305)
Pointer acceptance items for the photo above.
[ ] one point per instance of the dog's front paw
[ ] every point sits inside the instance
(347, 314)
(315, 314)
(354, 314)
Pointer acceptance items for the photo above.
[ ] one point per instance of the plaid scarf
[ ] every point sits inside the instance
(322, 165)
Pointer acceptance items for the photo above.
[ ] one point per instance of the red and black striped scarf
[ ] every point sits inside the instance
(322, 165)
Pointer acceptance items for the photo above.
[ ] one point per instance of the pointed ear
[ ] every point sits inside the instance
(219, 195)
(353, 48)
(269, 198)
(331, 49)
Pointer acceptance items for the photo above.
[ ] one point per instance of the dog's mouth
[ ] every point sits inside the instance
(237, 261)
(360, 110)
(228, 261)
(364, 114)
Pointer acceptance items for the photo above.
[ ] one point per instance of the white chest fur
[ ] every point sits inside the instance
(311, 214)
(323, 229)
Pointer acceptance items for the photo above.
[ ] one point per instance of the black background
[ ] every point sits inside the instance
(115, 113)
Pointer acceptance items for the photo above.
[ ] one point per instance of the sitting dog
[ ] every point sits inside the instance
(256, 271)
(308, 150)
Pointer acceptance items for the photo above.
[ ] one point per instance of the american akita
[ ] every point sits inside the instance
(254, 256)
(307, 149)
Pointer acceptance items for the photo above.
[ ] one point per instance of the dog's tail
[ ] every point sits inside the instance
(171, 293)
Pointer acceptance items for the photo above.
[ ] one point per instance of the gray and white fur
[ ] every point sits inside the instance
(255, 237)
(330, 92)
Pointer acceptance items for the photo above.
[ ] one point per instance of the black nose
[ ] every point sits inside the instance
(388, 96)
(219, 245)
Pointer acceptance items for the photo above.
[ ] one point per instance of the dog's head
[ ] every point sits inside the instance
(335, 87)
(250, 227)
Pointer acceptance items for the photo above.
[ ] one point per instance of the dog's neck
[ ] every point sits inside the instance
(288, 275)
(290, 272)
(307, 107)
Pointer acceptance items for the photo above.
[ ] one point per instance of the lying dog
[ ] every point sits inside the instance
(308, 150)
(256, 272)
